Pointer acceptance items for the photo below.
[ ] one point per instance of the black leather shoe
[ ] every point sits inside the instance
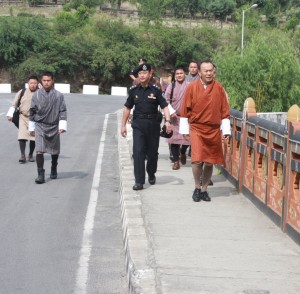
(138, 187)
(152, 180)
(196, 195)
(204, 196)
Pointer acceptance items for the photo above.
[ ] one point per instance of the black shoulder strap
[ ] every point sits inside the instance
(172, 90)
(20, 96)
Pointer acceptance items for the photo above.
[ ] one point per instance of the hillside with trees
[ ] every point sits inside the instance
(82, 44)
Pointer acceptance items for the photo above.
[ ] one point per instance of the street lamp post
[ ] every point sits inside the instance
(243, 23)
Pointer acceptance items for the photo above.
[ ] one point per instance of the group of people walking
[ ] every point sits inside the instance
(196, 110)
(42, 118)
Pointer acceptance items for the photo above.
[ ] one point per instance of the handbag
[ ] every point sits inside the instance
(16, 118)
(164, 134)
(16, 115)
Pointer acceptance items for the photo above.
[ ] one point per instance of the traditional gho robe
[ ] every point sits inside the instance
(204, 112)
(48, 114)
(23, 133)
(189, 78)
(178, 94)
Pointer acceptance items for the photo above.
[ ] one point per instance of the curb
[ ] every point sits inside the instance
(141, 276)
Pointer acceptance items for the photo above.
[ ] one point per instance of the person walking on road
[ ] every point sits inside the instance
(145, 98)
(48, 119)
(22, 102)
(174, 96)
(204, 110)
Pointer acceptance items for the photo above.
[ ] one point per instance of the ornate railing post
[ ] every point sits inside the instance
(248, 111)
(291, 207)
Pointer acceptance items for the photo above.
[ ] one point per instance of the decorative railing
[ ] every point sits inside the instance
(263, 161)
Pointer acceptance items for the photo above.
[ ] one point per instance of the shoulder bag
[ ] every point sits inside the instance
(16, 115)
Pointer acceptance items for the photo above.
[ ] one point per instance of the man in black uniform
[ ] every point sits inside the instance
(145, 98)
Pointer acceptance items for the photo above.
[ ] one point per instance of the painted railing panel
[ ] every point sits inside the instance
(263, 158)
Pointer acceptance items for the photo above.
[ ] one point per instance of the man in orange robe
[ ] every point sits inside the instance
(204, 113)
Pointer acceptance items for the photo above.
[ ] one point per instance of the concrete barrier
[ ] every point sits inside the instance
(63, 88)
(119, 91)
(90, 89)
(5, 88)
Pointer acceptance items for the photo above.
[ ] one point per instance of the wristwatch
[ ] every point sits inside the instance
(167, 120)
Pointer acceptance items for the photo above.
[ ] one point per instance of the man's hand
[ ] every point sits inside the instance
(61, 131)
(124, 131)
(186, 137)
(169, 127)
(32, 133)
(9, 118)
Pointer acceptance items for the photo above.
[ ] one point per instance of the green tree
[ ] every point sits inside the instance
(20, 37)
(220, 9)
(70, 58)
(69, 21)
(151, 10)
(116, 51)
(193, 7)
(268, 72)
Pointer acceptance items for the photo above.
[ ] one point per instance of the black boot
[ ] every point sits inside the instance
(53, 174)
(41, 176)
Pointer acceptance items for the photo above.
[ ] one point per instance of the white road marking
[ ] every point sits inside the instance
(86, 245)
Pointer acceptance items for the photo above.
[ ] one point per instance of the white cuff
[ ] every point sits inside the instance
(171, 109)
(184, 127)
(225, 127)
(31, 126)
(10, 111)
(62, 125)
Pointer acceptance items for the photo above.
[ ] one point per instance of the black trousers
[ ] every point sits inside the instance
(176, 148)
(145, 147)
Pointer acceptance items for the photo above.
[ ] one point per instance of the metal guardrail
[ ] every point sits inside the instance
(263, 161)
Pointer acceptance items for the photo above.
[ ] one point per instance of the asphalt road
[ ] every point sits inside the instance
(64, 236)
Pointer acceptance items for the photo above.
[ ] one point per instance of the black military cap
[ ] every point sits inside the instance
(145, 66)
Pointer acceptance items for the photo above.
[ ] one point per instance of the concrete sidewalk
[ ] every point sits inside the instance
(176, 246)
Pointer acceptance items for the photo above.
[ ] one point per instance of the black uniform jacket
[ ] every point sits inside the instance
(145, 100)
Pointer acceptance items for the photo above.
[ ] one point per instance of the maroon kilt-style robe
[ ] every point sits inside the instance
(205, 109)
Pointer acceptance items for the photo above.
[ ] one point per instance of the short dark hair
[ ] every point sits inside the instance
(194, 61)
(33, 77)
(179, 67)
(48, 74)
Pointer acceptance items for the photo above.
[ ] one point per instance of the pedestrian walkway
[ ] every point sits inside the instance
(176, 246)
